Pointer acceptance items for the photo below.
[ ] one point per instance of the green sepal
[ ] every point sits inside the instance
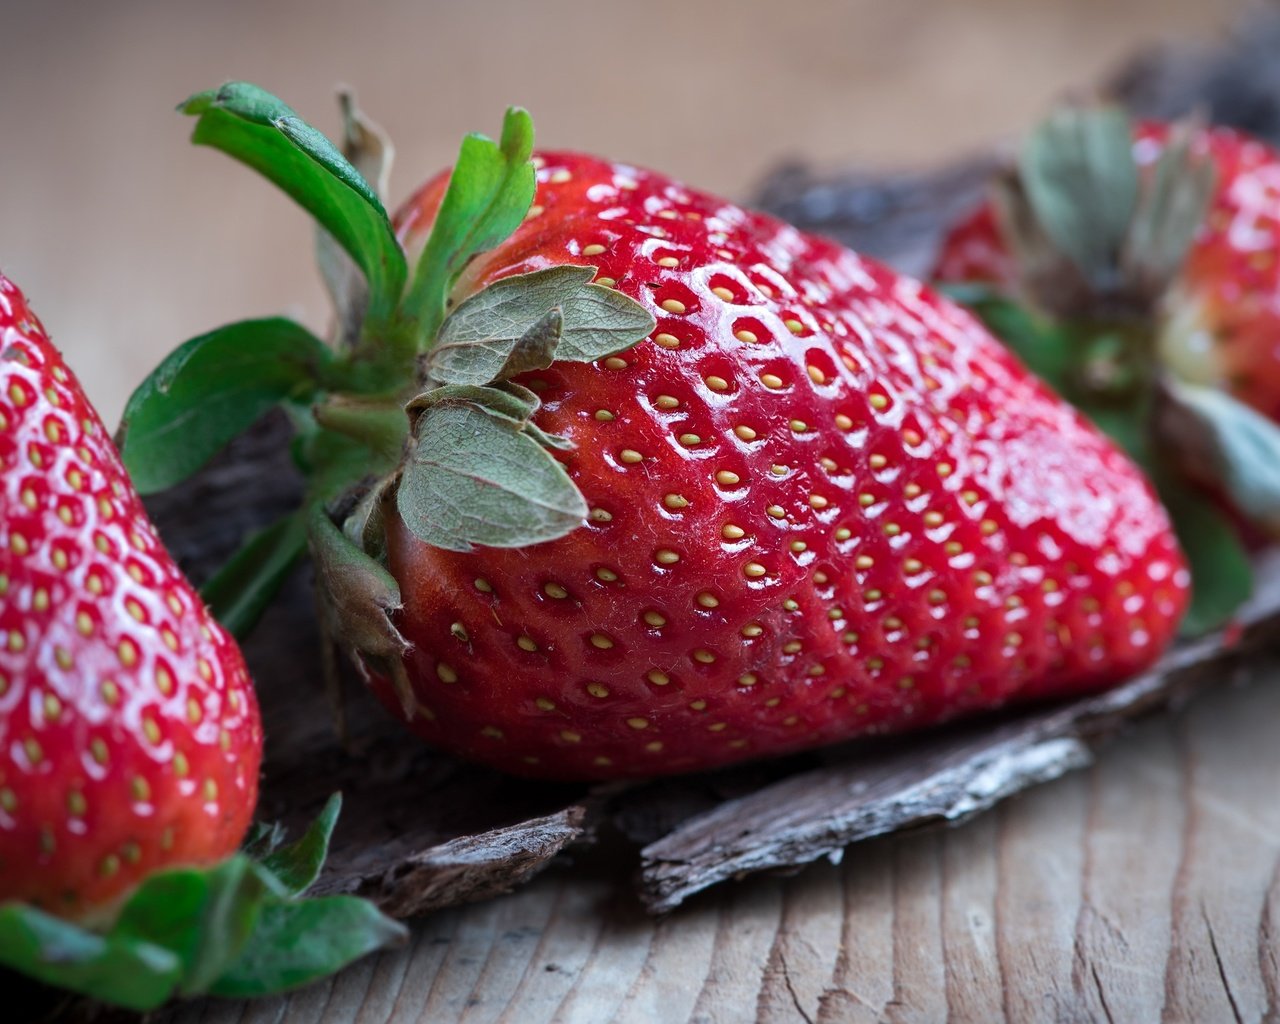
(240, 591)
(211, 389)
(475, 476)
(489, 193)
(236, 928)
(477, 341)
(297, 865)
(259, 130)
(1221, 574)
(1079, 176)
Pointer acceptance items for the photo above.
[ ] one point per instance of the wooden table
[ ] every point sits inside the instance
(1145, 888)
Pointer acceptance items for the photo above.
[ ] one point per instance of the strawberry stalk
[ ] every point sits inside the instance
(1099, 247)
(411, 369)
(239, 929)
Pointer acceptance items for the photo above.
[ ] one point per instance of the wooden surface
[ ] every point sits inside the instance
(1145, 888)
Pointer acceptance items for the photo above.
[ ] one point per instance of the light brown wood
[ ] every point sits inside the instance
(1146, 888)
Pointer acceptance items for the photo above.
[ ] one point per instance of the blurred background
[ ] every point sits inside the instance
(128, 240)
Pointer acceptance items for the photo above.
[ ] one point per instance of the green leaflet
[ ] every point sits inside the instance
(1078, 172)
(259, 130)
(211, 389)
(474, 477)
(242, 589)
(475, 343)
(489, 193)
(237, 928)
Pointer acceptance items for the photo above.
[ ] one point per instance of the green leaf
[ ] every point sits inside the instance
(242, 589)
(125, 972)
(297, 865)
(211, 389)
(1225, 443)
(204, 916)
(489, 192)
(236, 928)
(1221, 575)
(1079, 175)
(259, 130)
(298, 942)
(476, 342)
(473, 478)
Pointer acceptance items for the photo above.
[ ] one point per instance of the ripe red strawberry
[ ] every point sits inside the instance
(823, 501)
(1221, 320)
(815, 501)
(129, 734)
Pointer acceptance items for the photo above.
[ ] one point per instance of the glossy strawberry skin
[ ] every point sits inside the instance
(825, 503)
(129, 732)
(1224, 317)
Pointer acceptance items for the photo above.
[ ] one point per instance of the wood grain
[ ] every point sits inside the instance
(1145, 888)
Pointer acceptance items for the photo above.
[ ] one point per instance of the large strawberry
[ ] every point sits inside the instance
(816, 501)
(1135, 267)
(129, 732)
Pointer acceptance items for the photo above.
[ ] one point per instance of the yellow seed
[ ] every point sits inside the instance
(194, 711)
(483, 585)
(17, 642)
(594, 249)
(544, 705)
(970, 497)
(745, 433)
(698, 705)
(63, 657)
(843, 422)
(638, 723)
(76, 804)
(776, 512)
(731, 532)
(933, 519)
(666, 402)
(818, 670)
(615, 363)
(569, 736)
(630, 456)
(877, 462)
(598, 690)
(746, 337)
(752, 629)
(944, 469)
(109, 866)
(748, 679)
(206, 673)
(18, 544)
(721, 292)
(658, 678)
(953, 547)
(794, 326)
(668, 262)
(988, 527)
(844, 533)
(878, 401)
(726, 478)
(708, 600)
(799, 546)
(210, 790)
(655, 619)
(601, 642)
(937, 597)
(704, 656)
(779, 470)
(140, 789)
(127, 653)
(604, 416)
(98, 750)
(674, 306)
(152, 730)
(982, 578)
(754, 570)
(181, 767)
(606, 575)
(59, 558)
(799, 426)
(912, 490)
(526, 644)
(771, 380)
(675, 501)
(667, 340)
(863, 562)
(717, 383)
(873, 595)
(655, 747)
(554, 590)
(560, 177)
(891, 529)
(690, 440)
(717, 727)
(791, 605)
(818, 501)
(664, 556)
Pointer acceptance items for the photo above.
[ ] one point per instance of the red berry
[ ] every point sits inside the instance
(1222, 319)
(825, 503)
(129, 733)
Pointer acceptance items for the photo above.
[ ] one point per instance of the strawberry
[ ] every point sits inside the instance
(1134, 266)
(678, 485)
(1221, 318)
(131, 738)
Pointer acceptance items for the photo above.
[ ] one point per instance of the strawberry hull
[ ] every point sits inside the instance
(825, 504)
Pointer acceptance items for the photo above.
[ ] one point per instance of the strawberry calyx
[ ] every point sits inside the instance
(411, 401)
(1099, 244)
(241, 928)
